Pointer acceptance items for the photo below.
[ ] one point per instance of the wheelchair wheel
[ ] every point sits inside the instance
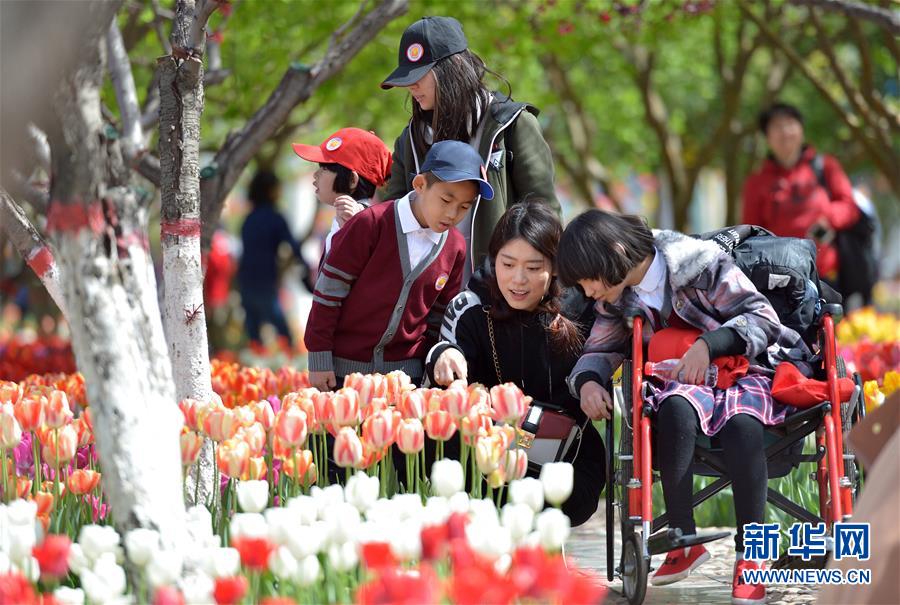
(634, 570)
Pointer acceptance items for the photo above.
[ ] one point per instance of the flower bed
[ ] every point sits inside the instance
(870, 344)
(464, 531)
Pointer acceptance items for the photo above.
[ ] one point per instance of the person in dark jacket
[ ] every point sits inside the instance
(262, 234)
(451, 101)
(538, 331)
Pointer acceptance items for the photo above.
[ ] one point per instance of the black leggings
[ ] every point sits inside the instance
(743, 448)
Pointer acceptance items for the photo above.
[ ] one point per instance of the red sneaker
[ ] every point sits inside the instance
(679, 564)
(743, 593)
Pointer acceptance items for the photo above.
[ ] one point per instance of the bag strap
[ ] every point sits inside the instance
(490, 324)
(818, 166)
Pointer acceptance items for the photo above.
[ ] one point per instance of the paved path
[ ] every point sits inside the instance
(709, 585)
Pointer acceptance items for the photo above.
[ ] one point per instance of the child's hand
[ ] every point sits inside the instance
(345, 207)
(324, 381)
(691, 368)
(595, 401)
(451, 363)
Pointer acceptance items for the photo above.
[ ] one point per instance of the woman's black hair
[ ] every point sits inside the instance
(459, 93)
(534, 222)
(778, 109)
(603, 245)
(343, 176)
(261, 191)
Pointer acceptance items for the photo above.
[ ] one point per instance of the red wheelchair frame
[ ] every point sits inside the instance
(634, 472)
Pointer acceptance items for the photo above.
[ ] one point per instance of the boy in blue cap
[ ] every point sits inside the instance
(392, 269)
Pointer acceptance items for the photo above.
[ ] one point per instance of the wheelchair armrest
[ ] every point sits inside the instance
(632, 312)
(835, 310)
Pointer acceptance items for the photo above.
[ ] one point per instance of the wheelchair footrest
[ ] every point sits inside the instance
(670, 539)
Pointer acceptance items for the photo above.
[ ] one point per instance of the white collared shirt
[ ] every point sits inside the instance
(419, 239)
(652, 289)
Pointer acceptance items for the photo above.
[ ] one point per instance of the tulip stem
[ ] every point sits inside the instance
(463, 456)
(36, 459)
(439, 454)
(325, 457)
(500, 495)
(5, 477)
(56, 465)
(409, 473)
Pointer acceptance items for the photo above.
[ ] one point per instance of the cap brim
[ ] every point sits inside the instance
(454, 176)
(310, 153)
(406, 76)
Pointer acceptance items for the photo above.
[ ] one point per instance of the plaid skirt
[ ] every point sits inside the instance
(751, 394)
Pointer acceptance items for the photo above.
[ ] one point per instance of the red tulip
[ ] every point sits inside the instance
(191, 443)
(377, 555)
(397, 585)
(290, 426)
(53, 556)
(439, 425)
(230, 591)
(57, 411)
(83, 481)
(412, 403)
(410, 435)
(254, 552)
(348, 449)
(508, 403)
(15, 588)
(380, 428)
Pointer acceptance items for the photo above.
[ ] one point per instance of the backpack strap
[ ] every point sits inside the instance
(818, 166)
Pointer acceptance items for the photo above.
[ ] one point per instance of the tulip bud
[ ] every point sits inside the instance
(362, 491)
(140, 544)
(256, 469)
(57, 412)
(10, 392)
(396, 382)
(233, 458)
(220, 424)
(191, 443)
(515, 464)
(553, 527)
(300, 467)
(290, 426)
(528, 491)
(60, 446)
(83, 481)
(309, 571)
(30, 412)
(518, 519)
(488, 450)
(447, 477)
(410, 436)
(263, 413)
(283, 564)
(343, 408)
(412, 403)
(557, 479)
(253, 496)
(254, 436)
(508, 403)
(456, 402)
(380, 428)
(439, 425)
(348, 449)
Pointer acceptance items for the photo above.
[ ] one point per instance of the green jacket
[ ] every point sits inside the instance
(517, 160)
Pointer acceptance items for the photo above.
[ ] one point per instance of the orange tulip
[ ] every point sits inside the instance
(244, 415)
(343, 408)
(220, 424)
(45, 521)
(30, 412)
(369, 387)
(47, 486)
(44, 502)
(264, 414)
(83, 430)
(410, 435)
(506, 433)
(348, 449)
(412, 403)
(378, 404)
(439, 425)
(321, 419)
(233, 457)
(84, 481)
(57, 411)
(60, 446)
(191, 409)
(508, 403)
(474, 422)
(290, 426)
(255, 436)
(396, 382)
(23, 486)
(10, 392)
(300, 467)
(256, 469)
(380, 428)
(88, 416)
(191, 443)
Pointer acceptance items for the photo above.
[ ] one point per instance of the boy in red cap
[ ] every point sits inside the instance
(352, 163)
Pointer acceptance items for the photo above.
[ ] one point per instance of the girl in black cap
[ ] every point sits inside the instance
(451, 101)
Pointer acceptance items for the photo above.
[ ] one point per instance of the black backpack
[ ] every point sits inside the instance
(857, 258)
(783, 269)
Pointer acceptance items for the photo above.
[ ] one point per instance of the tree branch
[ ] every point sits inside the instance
(885, 18)
(32, 247)
(148, 167)
(297, 85)
(126, 95)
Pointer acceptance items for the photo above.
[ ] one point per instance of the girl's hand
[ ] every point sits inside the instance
(451, 362)
(691, 368)
(595, 401)
(324, 381)
(345, 207)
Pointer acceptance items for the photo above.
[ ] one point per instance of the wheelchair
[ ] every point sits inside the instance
(630, 473)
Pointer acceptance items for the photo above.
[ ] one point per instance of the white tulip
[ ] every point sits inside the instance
(197, 588)
(5, 563)
(459, 503)
(343, 520)
(95, 588)
(447, 477)
(532, 540)
(557, 479)
(96, 540)
(362, 491)
(200, 517)
(437, 510)
(21, 512)
(407, 506)
(283, 564)
(111, 574)
(503, 563)
(249, 525)
(309, 571)
(282, 521)
(343, 557)
(518, 519)
(308, 541)
(484, 509)
(21, 540)
(78, 561)
(306, 507)
(253, 496)
(328, 497)
(488, 538)
(553, 527)
(30, 568)
(406, 541)
(164, 568)
(222, 562)
(69, 596)
(528, 491)
(381, 511)
(141, 544)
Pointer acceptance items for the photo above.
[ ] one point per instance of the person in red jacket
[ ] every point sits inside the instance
(786, 196)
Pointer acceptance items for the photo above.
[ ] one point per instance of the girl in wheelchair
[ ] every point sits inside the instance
(684, 286)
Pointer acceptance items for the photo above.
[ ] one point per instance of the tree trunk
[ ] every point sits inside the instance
(180, 77)
(99, 231)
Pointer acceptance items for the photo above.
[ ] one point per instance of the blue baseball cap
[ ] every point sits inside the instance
(455, 161)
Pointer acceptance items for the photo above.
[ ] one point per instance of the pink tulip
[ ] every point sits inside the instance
(343, 408)
(291, 427)
(60, 446)
(474, 421)
(457, 402)
(396, 383)
(368, 386)
(348, 449)
(410, 435)
(191, 443)
(509, 403)
(254, 436)
(57, 411)
(10, 431)
(412, 403)
(320, 417)
(515, 464)
(220, 424)
(380, 428)
(264, 414)
(439, 425)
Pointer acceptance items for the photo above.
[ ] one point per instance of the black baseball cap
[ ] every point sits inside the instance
(423, 44)
(455, 161)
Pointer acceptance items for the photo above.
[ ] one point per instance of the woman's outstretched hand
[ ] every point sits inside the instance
(595, 401)
(691, 368)
(450, 366)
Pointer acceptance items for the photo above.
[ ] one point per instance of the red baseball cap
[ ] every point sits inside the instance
(353, 148)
